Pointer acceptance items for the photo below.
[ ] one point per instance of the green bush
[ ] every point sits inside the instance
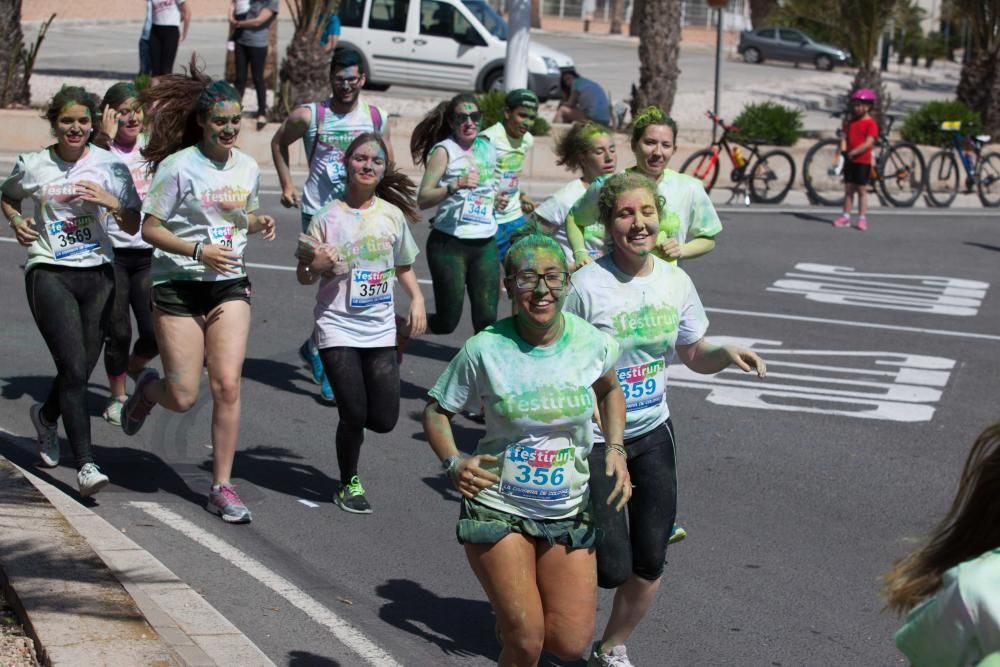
(923, 126)
(492, 105)
(142, 82)
(769, 122)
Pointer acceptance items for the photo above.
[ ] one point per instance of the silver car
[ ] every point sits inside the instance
(772, 43)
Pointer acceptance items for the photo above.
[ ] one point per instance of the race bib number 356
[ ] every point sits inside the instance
(541, 474)
(371, 287)
(72, 237)
(643, 384)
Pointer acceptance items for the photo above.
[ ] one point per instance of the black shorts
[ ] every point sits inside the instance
(857, 173)
(193, 298)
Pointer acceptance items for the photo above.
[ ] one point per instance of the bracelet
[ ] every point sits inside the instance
(617, 448)
(196, 255)
(13, 220)
(450, 463)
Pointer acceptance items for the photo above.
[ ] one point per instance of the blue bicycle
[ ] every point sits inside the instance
(982, 171)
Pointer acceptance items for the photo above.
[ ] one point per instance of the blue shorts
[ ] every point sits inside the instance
(306, 219)
(504, 231)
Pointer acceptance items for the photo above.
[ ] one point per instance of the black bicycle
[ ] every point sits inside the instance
(897, 175)
(982, 171)
(769, 175)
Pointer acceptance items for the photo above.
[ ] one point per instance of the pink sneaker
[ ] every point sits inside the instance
(843, 221)
(861, 224)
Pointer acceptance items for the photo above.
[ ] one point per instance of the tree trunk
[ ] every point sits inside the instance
(617, 16)
(979, 87)
(14, 88)
(536, 14)
(635, 23)
(304, 75)
(760, 10)
(659, 48)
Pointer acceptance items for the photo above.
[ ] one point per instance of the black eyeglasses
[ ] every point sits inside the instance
(463, 118)
(345, 82)
(528, 280)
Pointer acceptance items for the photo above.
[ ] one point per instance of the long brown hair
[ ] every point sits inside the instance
(572, 146)
(436, 126)
(395, 186)
(176, 103)
(971, 528)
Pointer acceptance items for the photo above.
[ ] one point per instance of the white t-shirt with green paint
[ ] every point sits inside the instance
(510, 162)
(960, 624)
(538, 405)
(71, 232)
(555, 209)
(356, 309)
(198, 200)
(649, 316)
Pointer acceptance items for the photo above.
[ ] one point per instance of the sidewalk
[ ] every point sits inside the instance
(89, 595)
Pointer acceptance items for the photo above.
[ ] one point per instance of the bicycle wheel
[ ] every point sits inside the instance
(771, 177)
(942, 178)
(901, 174)
(823, 185)
(988, 180)
(703, 165)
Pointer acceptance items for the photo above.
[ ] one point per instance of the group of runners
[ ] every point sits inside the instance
(574, 484)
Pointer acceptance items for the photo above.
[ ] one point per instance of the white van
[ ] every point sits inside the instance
(447, 44)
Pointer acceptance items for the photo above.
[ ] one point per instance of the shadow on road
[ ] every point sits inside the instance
(279, 469)
(85, 73)
(984, 246)
(279, 375)
(812, 217)
(421, 347)
(37, 387)
(307, 659)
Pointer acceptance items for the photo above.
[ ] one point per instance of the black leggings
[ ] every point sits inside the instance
(365, 381)
(132, 285)
(163, 41)
(460, 265)
(255, 55)
(71, 307)
(639, 546)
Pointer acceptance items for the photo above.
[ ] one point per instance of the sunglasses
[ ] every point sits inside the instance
(463, 118)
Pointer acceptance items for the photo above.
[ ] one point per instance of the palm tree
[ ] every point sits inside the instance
(304, 72)
(16, 59)
(659, 49)
(617, 16)
(979, 84)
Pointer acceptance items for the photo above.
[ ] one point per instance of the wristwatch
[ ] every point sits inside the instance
(449, 463)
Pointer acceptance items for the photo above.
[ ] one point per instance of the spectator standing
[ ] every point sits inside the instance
(145, 65)
(171, 19)
(584, 100)
(251, 47)
(331, 34)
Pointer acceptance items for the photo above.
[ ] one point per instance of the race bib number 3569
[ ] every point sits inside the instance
(72, 237)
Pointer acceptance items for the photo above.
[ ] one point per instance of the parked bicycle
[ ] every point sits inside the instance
(897, 175)
(768, 175)
(982, 172)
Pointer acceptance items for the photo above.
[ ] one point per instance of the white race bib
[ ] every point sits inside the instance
(75, 236)
(477, 208)
(508, 181)
(643, 384)
(335, 169)
(539, 473)
(222, 236)
(371, 287)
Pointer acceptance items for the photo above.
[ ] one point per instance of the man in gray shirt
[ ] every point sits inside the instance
(251, 48)
(583, 100)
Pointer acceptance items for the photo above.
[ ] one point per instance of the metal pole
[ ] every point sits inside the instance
(518, 42)
(718, 65)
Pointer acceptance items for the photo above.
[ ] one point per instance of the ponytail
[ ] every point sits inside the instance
(436, 127)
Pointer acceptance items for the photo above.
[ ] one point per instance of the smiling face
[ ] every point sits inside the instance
(346, 84)
(635, 222)
(538, 306)
(129, 121)
(221, 125)
(73, 127)
(465, 121)
(601, 158)
(518, 122)
(366, 165)
(654, 150)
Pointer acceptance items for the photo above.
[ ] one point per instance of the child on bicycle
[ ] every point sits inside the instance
(858, 137)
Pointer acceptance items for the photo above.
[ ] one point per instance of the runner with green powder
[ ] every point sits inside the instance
(525, 517)
(459, 181)
(689, 223)
(652, 309)
(512, 140)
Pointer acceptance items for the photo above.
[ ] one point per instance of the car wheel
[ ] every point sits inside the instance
(752, 56)
(824, 63)
(493, 81)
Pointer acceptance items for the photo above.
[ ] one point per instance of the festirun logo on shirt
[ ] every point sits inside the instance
(649, 324)
(547, 403)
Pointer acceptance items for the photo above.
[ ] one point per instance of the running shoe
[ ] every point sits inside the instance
(617, 657)
(842, 221)
(326, 391)
(48, 437)
(861, 224)
(677, 534)
(137, 408)
(310, 355)
(90, 479)
(351, 497)
(225, 502)
(113, 412)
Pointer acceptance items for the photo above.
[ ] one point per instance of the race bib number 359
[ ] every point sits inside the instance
(72, 237)
(643, 384)
(371, 287)
(541, 474)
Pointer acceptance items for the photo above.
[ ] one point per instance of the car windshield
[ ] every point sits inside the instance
(488, 17)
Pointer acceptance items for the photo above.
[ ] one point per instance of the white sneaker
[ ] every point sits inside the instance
(48, 437)
(90, 479)
(113, 412)
(617, 657)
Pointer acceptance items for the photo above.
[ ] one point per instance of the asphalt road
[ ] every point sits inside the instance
(797, 492)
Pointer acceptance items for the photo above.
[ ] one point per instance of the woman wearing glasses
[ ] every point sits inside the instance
(652, 309)
(524, 519)
(461, 248)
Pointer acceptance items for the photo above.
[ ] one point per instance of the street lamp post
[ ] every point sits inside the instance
(718, 6)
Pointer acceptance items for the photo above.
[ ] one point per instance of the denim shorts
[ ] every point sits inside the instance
(504, 231)
(479, 524)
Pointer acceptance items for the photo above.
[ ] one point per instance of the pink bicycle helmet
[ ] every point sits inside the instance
(863, 95)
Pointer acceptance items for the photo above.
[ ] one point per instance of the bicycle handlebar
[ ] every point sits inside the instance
(717, 119)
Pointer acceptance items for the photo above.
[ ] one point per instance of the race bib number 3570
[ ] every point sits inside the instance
(369, 288)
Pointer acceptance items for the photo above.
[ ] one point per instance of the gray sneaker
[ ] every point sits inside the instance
(90, 479)
(48, 437)
(137, 408)
(617, 657)
(225, 502)
(351, 497)
(113, 412)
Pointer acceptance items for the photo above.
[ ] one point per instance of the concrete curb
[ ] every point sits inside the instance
(89, 595)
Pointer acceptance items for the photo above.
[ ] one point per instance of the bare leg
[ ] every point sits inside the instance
(182, 349)
(632, 601)
(226, 334)
(567, 582)
(862, 200)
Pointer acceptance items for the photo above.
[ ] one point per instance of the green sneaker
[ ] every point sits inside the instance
(351, 497)
(677, 534)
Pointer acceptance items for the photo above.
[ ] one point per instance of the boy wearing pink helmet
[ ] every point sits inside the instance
(859, 136)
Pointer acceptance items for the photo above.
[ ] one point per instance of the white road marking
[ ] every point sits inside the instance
(308, 503)
(345, 633)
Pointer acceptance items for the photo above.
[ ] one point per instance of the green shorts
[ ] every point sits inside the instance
(479, 524)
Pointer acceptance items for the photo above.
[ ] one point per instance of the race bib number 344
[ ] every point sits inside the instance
(541, 474)
(477, 208)
(369, 288)
(72, 237)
